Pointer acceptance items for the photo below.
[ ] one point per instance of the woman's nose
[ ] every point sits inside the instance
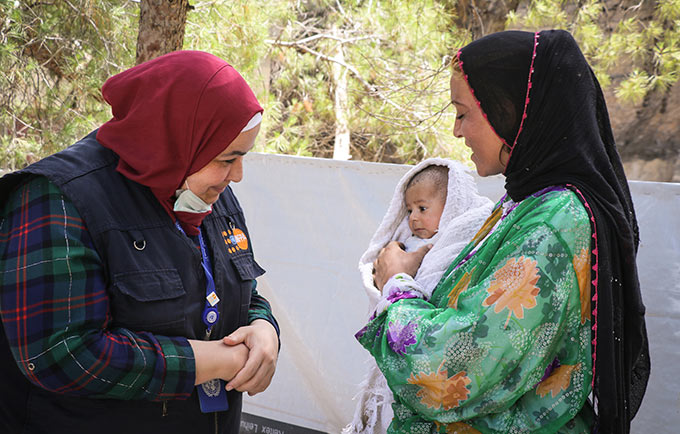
(456, 129)
(236, 171)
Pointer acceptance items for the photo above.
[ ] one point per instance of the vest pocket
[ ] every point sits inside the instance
(246, 266)
(149, 300)
(247, 269)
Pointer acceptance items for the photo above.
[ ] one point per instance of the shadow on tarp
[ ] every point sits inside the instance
(251, 424)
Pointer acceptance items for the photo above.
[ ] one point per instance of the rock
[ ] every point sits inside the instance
(657, 169)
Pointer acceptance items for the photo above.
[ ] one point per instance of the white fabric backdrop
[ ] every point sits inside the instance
(311, 219)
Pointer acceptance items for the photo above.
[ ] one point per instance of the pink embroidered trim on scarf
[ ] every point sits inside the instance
(594, 282)
(460, 63)
(526, 101)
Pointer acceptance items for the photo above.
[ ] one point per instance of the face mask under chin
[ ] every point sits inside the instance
(187, 201)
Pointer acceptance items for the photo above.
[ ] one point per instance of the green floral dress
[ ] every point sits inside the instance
(504, 344)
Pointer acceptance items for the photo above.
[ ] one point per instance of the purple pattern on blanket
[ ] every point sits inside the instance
(549, 370)
(401, 336)
(361, 332)
(400, 295)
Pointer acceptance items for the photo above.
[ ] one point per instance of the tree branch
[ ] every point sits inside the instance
(350, 68)
(371, 89)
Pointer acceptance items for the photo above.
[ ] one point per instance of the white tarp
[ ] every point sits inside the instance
(311, 219)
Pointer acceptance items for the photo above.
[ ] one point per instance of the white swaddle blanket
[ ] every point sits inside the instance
(464, 213)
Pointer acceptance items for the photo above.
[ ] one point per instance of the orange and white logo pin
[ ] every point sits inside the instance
(235, 240)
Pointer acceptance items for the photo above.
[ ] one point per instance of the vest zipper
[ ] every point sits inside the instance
(216, 432)
(164, 411)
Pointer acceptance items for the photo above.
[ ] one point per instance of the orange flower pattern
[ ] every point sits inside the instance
(487, 226)
(514, 287)
(534, 262)
(558, 380)
(439, 391)
(582, 267)
(456, 428)
(458, 289)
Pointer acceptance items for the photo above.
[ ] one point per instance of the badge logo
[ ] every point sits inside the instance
(211, 317)
(211, 388)
(235, 240)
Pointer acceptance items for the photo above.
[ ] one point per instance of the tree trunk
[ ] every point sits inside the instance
(482, 17)
(342, 133)
(161, 27)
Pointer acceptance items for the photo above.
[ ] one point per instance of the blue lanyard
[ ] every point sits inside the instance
(210, 312)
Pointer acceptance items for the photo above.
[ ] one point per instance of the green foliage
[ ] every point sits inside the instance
(635, 86)
(642, 36)
(394, 56)
(406, 60)
(54, 57)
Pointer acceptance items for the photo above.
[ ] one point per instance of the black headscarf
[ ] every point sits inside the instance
(543, 100)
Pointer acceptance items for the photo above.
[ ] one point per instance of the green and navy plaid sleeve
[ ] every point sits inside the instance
(55, 309)
(260, 309)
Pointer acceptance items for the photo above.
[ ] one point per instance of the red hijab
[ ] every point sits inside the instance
(171, 116)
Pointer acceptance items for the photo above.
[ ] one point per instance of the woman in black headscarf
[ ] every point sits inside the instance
(544, 304)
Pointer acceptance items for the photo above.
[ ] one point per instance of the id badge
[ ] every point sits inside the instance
(212, 396)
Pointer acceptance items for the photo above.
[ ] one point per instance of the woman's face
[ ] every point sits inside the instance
(479, 136)
(209, 182)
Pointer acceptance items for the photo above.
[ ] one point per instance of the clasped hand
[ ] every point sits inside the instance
(246, 359)
(392, 260)
(263, 344)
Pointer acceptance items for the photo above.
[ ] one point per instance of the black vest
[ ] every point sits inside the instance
(155, 283)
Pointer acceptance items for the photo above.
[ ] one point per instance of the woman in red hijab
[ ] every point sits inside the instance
(127, 276)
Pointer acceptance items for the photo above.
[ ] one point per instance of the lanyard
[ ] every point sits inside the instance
(210, 313)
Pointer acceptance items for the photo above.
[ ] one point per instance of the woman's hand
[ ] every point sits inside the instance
(392, 260)
(216, 360)
(261, 339)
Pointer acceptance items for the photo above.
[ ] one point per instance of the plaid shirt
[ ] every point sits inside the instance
(55, 309)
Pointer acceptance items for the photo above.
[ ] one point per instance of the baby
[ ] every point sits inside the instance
(436, 202)
(425, 197)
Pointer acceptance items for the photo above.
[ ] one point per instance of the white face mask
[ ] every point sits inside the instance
(188, 201)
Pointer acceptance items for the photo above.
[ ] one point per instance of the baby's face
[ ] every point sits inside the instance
(425, 206)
